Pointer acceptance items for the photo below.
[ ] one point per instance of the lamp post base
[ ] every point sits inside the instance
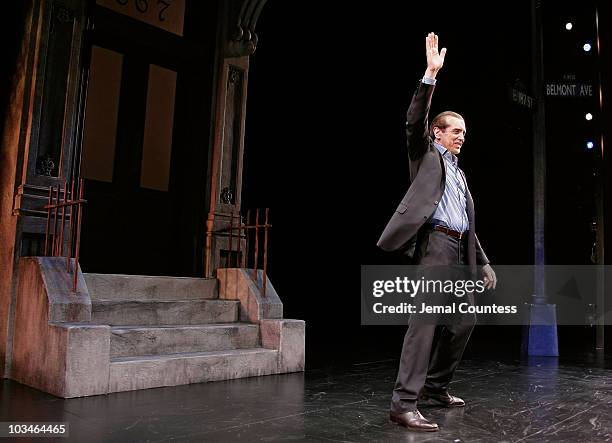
(540, 331)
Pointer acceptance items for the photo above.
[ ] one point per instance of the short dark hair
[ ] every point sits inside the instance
(441, 120)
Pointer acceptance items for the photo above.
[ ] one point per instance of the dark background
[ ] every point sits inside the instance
(325, 148)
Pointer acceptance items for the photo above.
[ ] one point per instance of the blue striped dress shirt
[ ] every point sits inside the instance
(451, 210)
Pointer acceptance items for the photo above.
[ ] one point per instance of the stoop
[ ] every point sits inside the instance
(128, 332)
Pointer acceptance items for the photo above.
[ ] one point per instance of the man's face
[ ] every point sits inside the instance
(453, 136)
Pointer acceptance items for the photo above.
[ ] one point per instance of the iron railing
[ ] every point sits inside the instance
(67, 209)
(249, 230)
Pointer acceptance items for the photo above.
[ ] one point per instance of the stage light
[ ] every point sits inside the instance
(569, 26)
(590, 145)
(588, 116)
(587, 47)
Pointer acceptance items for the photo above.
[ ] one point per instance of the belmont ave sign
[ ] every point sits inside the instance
(569, 90)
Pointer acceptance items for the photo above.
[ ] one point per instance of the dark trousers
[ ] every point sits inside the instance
(431, 352)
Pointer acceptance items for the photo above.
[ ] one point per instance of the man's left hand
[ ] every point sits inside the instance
(490, 279)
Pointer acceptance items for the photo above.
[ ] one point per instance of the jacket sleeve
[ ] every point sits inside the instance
(417, 126)
(481, 257)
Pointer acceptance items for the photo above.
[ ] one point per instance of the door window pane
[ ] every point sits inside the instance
(159, 120)
(101, 114)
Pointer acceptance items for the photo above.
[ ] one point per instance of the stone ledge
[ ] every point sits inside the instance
(289, 338)
(143, 312)
(145, 287)
(164, 340)
(239, 284)
(64, 304)
(128, 374)
(64, 359)
(87, 359)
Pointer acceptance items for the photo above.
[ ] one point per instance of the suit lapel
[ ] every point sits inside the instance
(442, 165)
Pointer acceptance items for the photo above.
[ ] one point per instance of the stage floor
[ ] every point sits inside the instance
(510, 401)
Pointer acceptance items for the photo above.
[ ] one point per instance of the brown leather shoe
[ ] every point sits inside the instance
(414, 421)
(446, 400)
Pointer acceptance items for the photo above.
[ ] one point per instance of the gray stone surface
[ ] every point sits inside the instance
(167, 332)
(67, 360)
(241, 284)
(87, 362)
(144, 287)
(130, 373)
(65, 305)
(156, 340)
(289, 338)
(190, 312)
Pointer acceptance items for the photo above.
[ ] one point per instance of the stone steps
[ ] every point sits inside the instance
(131, 373)
(178, 312)
(129, 332)
(144, 287)
(129, 341)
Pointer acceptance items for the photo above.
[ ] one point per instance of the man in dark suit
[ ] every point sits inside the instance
(433, 225)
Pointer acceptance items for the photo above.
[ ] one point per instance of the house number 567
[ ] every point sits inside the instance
(142, 6)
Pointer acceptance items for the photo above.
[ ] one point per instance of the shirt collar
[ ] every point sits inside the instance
(446, 153)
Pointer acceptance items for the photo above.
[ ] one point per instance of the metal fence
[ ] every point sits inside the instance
(62, 210)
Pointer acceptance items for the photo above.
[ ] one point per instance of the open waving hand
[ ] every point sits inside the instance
(435, 59)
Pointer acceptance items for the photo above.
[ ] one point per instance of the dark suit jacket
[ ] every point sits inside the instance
(428, 179)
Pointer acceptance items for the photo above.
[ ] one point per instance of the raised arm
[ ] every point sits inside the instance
(416, 117)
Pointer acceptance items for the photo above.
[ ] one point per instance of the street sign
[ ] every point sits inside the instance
(517, 93)
(522, 99)
(569, 89)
